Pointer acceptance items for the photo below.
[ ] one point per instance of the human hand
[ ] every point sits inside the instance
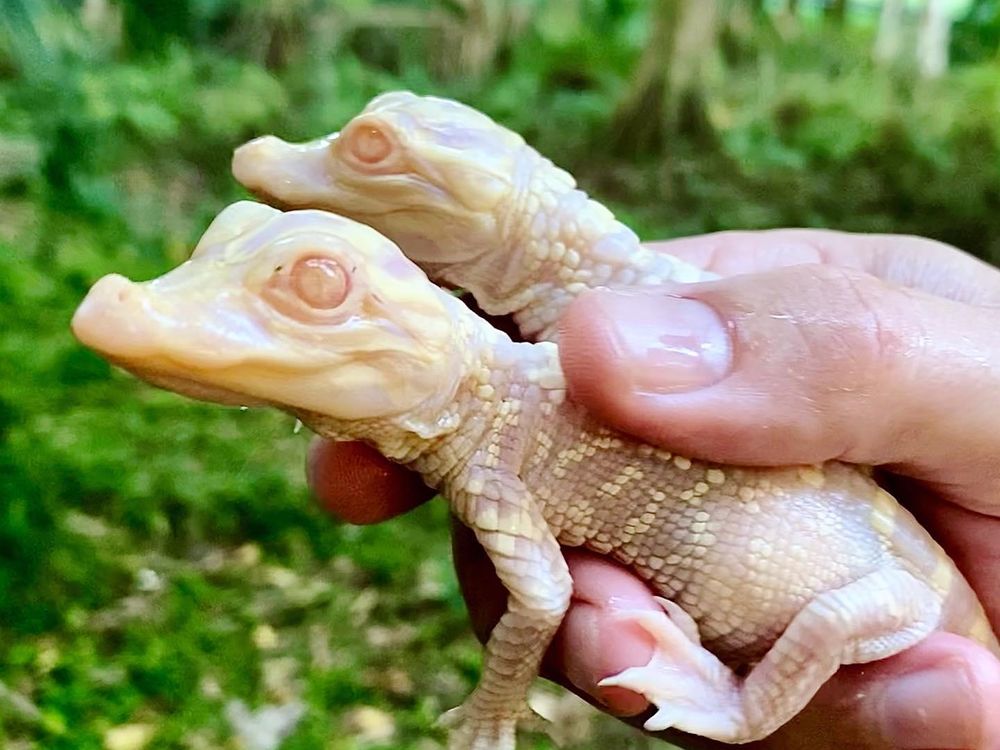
(869, 349)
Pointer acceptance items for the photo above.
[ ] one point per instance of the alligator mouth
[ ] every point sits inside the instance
(269, 160)
(270, 198)
(186, 385)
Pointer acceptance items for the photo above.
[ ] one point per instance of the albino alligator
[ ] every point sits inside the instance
(466, 199)
(770, 578)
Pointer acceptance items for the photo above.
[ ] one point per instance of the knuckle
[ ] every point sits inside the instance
(853, 333)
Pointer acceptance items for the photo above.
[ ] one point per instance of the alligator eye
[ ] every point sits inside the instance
(369, 144)
(309, 290)
(321, 283)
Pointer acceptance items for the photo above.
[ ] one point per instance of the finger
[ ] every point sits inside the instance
(914, 262)
(594, 642)
(939, 694)
(798, 365)
(357, 484)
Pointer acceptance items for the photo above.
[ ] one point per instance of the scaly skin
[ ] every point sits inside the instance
(784, 574)
(468, 200)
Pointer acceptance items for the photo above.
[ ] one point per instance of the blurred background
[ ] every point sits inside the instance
(165, 581)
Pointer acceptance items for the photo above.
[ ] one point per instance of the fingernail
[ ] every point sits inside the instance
(669, 344)
(932, 708)
(583, 629)
(601, 647)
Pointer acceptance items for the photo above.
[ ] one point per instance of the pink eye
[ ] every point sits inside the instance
(321, 283)
(314, 286)
(369, 144)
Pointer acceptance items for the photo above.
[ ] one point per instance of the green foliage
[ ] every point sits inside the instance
(977, 34)
(159, 557)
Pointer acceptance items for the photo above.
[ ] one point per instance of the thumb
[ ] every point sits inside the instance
(801, 364)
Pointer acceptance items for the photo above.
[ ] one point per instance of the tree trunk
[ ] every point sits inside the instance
(789, 8)
(933, 38)
(889, 41)
(668, 83)
(836, 11)
(477, 33)
(787, 17)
